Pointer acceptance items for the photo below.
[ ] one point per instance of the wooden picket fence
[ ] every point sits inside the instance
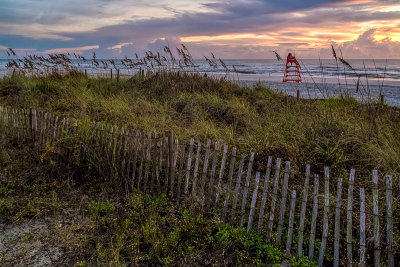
(297, 218)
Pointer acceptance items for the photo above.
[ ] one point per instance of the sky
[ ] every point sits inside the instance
(231, 29)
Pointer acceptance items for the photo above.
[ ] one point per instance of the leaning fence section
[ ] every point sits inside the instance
(343, 225)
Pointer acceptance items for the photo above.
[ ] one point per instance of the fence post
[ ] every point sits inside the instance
(291, 220)
(377, 249)
(221, 173)
(273, 200)
(389, 220)
(117, 76)
(314, 217)
(246, 189)
(253, 202)
(205, 168)
(196, 169)
(362, 228)
(283, 202)
(147, 161)
(264, 195)
(349, 228)
(229, 185)
(171, 157)
(188, 165)
(337, 223)
(208, 197)
(237, 187)
(325, 218)
(111, 74)
(181, 169)
(135, 158)
(303, 212)
(173, 169)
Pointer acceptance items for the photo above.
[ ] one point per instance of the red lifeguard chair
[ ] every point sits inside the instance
(292, 70)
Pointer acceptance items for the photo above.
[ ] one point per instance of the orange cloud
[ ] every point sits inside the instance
(71, 49)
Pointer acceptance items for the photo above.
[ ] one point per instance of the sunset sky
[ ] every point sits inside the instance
(231, 29)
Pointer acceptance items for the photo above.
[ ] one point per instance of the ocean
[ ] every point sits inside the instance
(320, 78)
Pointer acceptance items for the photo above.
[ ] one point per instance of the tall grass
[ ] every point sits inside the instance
(340, 133)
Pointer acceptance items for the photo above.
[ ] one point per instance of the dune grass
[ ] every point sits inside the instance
(338, 132)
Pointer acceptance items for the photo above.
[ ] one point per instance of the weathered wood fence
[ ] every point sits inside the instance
(290, 209)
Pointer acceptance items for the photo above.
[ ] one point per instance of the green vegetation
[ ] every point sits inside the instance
(99, 226)
(94, 225)
(340, 133)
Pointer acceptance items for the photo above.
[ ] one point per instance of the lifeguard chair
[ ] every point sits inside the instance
(292, 70)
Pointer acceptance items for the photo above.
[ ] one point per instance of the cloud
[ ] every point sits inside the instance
(365, 46)
(77, 50)
(234, 28)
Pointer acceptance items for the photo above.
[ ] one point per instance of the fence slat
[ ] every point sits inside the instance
(237, 187)
(124, 161)
(188, 165)
(175, 159)
(377, 243)
(291, 220)
(135, 157)
(221, 174)
(337, 223)
(303, 212)
(142, 159)
(155, 176)
(389, 221)
(167, 168)
(246, 189)
(208, 198)
(159, 164)
(362, 228)
(253, 202)
(205, 168)
(229, 184)
(283, 203)
(314, 217)
(349, 226)
(273, 200)
(196, 169)
(180, 172)
(264, 195)
(325, 218)
(147, 162)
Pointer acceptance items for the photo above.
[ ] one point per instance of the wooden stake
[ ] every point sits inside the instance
(325, 218)
(264, 195)
(362, 229)
(291, 220)
(283, 203)
(389, 220)
(253, 202)
(337, 223)
(303, 212)
(246, 189)
(229, 184)
(377, 243)
(314, 217)
(273, 200)
(349, 228)
(237, 187)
